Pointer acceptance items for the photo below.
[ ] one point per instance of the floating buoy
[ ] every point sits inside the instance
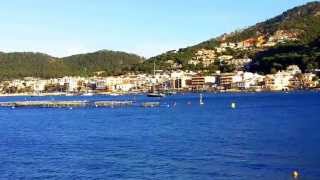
(295, 174)
(70, 108)
(189, 103)
(13, 107)
(233, 105)
(201, 100)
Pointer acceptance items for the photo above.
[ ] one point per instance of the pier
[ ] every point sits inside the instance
(151, 104)
(113, 103)
(75, 104)
(44, 104)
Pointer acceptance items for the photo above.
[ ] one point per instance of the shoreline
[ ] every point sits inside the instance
(142, 93)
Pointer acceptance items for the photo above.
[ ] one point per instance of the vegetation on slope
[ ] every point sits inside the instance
(303, 19)
(111, 62)
(306, 56)
(18, 65)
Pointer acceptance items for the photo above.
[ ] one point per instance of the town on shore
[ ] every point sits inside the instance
(162, 81)
(280, 54)
(179, 80)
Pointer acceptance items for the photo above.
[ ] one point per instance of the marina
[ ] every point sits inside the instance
(113, 103)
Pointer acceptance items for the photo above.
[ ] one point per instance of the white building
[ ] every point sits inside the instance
(246, 80)
(279, 81)
(210, 79)
(124, 87)
(39, 86)
(293, 70)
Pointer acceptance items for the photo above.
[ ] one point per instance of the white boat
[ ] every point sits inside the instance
(87, 94)
(170, 93)
(114, 94)
(156, 94)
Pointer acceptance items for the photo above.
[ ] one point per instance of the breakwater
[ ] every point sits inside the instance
(71, 104)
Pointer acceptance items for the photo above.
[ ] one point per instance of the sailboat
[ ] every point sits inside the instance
(154, 93)
(201, 100)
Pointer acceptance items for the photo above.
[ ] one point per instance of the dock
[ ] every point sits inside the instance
(151, 104)
(113, 103)
(44, 104)
(75, 104)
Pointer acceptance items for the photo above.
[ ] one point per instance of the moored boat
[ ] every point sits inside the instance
(88, 94)
(156, 94)
(170, 93)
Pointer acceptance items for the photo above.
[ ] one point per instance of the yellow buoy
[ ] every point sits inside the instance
(295, 174)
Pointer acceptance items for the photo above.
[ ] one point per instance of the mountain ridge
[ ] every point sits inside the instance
(297, 27)
(24, 64)
(301, 22)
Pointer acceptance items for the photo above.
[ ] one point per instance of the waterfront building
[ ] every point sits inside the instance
(277, 82)
(198, 82)
(39, 85)
(225, 80)
(291, 78)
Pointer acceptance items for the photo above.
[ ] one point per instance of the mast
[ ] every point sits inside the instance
(154, 76)
(154, 69)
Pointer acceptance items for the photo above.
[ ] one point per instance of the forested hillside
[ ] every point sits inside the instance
(18, 65)
(302, 20)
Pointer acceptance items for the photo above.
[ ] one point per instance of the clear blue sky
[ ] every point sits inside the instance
(145, 27)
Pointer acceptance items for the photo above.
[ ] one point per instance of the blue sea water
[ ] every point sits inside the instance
(268, 136)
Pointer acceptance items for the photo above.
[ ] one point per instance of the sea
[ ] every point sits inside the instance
(266, 136)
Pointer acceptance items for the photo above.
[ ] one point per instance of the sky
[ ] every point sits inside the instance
(144, 27)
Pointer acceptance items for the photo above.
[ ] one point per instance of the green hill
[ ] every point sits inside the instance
(112, 62)
(26, 64)
(306, 56)
(304, 20)
(14, 65)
